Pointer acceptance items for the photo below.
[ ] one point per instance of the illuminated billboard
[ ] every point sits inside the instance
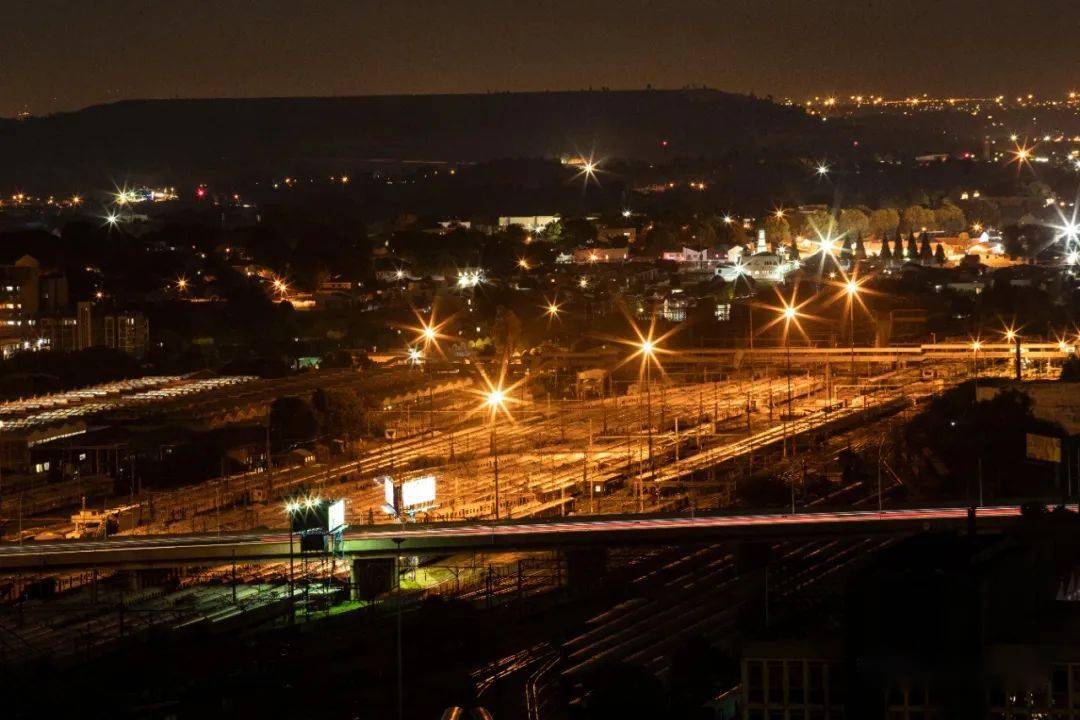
(388, 495)
(335, 516)
(408, 496)
(418, 491)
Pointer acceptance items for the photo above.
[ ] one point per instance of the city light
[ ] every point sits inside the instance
(822, 170)
(789, 311)
(552, 309)
(469, 278)
(523, 263)
(495, 399)
(429, 331)
(415, 356)
(181, 283)
(976, 345)
(1021, 155)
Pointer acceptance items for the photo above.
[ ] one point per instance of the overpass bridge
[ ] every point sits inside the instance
(444, 538)
(802, 354)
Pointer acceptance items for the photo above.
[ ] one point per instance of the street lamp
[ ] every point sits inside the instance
(648, 352)
(789, 313)
(976, 346)
(495, 401)
(1011, 336)
(851, 287)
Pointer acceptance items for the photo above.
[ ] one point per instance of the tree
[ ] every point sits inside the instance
(1014, 241)
(950, 218)
(659, 239)
(577, 231)
(860, 249)
(818, 222)
(292, 422)
(912, 248)
(777, 230)
(926, 253)
(886, 253)
(341, 412)
(883, 222)
(939, 255)
(731, 233)
(1070, 369)
(898, 242)
(506, 331)
(853, 222)
(793, 251)
(552, 232)
(915, 218)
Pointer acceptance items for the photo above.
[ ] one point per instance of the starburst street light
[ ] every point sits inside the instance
(789, 312)
(494, 399)
(822, 170)
(587, 171)
(552, 309)
(416, 356)
(182, 283)
(1021, 155)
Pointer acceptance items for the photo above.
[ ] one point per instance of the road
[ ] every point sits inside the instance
(139, 551)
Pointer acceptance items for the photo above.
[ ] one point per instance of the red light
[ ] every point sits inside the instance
(663, 143)
(200, 192)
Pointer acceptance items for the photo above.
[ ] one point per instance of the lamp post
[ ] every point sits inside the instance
(789, 314)
(976, 346)
(1013, 337)
(647, 351)
(495, 400)
(852, 290)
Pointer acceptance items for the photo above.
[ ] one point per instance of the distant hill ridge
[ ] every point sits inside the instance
(183, 138)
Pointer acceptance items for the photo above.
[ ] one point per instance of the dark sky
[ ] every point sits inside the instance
(58, 55)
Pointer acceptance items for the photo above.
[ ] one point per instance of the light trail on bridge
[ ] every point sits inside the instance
(382, 541)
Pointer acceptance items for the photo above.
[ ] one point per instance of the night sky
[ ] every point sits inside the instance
(65, 55)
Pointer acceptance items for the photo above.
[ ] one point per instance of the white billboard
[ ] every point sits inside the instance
(389, 504)
(418, 491)
(408, 496)
(335, 515)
